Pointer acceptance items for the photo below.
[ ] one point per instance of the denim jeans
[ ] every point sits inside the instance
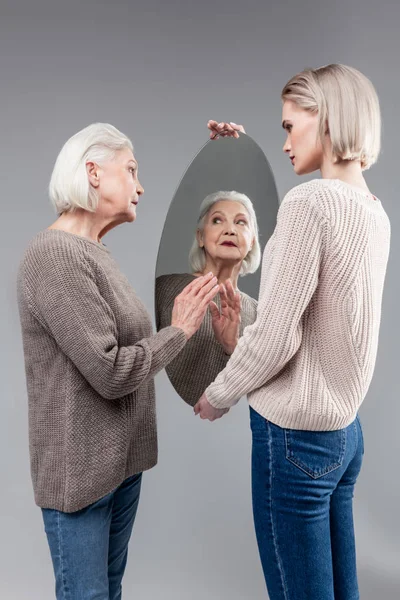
(89, 547)
(302, 489)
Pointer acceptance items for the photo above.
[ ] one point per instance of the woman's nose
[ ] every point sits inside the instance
(139, 188)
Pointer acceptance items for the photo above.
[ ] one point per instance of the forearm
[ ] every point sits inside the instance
(125, 369)
(259, 356)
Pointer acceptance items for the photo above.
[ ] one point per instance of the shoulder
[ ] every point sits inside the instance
(308, 198)
(48, 254)
(248, 304)
(170, 285)
(174, 279)
(52, 244)
(323, 193)
(308, 190)
(248, 299)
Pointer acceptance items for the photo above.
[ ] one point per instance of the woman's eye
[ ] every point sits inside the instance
(132, 170)
(242, 221)
(215, 219)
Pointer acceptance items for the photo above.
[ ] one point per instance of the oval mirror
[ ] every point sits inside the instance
(233, 182)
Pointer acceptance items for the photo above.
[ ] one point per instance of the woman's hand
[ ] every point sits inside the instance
(224, 129)
(191, 304)
(227, 322)
(206, 411)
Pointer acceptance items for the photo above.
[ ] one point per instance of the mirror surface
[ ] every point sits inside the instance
(225, 165)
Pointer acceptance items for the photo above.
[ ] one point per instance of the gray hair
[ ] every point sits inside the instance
(347, 102)
(251, 262)
(69, 186)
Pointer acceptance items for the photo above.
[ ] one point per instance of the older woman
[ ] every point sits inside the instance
(226, 243)
(308, 360)
(90, 359)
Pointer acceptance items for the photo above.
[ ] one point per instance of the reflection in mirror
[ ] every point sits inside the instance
(220, 218)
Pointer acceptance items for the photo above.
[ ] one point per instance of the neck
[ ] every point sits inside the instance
(84, 223)
(348, 171)
(223, 271)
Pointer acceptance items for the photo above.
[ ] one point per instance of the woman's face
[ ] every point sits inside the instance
(303, 144)
(227, 234)
(118, 186)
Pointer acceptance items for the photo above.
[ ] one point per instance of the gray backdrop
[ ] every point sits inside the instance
(158, 71)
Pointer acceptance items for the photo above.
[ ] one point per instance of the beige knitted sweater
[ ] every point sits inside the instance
(90, 359)
(308, 360)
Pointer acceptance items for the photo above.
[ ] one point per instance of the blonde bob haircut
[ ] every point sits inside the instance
(347, 105)
(197, 257)
(69, 186)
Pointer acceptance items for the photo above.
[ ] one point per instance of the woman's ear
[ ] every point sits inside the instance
(92, 170)
(199, 237)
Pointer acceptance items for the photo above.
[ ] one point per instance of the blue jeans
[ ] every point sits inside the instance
(89, 547)
(302, 488)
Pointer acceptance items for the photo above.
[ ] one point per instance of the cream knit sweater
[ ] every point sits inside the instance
(308, 360)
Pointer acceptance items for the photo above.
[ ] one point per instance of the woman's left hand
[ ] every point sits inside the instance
(226, 323)
(206, 411)
(224, 129)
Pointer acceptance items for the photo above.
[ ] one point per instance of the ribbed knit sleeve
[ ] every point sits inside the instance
(64, 296)
(288, 281)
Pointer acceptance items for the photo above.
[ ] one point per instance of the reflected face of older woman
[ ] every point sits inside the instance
(227, 233)
(118, 186)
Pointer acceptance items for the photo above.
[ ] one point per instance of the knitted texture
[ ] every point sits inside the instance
(308, 360)
(203, 357)
(90, 358)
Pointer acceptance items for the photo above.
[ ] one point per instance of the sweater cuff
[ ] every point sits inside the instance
(213, 396)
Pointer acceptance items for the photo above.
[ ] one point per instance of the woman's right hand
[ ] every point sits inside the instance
(226, 324)
(191, 304)
(224, 129)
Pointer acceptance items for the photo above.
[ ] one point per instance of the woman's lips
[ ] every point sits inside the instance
(229, 244)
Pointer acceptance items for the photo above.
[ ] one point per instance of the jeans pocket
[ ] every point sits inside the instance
(316, 452)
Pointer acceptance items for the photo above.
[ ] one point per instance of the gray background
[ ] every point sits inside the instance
(158, 71)
(222, 165)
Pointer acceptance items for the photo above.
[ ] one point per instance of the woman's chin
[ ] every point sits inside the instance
(297, 169)
(230, 258)
(305, 169)
(131, 216)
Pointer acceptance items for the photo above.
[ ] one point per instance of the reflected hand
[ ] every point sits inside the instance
(226, 323)
(206, 411)
(224, 129)
(191, 304)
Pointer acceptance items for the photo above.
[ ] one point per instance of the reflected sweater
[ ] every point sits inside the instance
(90, 358)
(203, 357)
(308, 359)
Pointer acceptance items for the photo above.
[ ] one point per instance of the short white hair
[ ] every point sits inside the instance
(69, 186)
(251, 262)
(347, 102)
